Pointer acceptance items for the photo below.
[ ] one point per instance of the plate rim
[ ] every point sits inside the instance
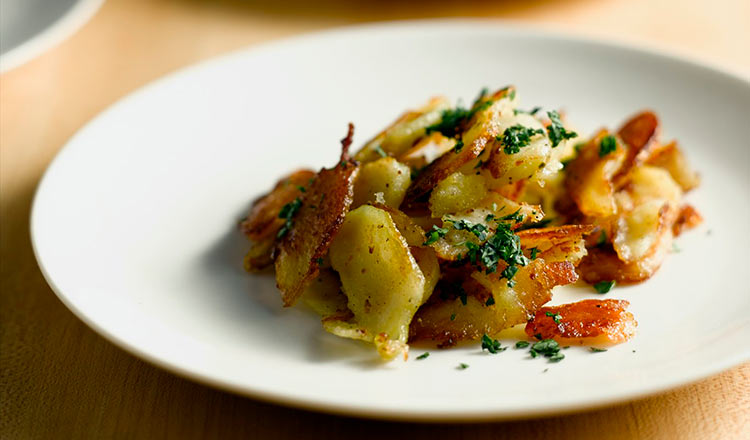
(54, 34)
(363, 410)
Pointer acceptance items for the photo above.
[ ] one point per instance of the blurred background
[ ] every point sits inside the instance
(61, 380)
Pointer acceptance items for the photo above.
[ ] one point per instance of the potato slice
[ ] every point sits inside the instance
(401, 134)
(588, 322)
(449, 320)
(457, 193)
(263, 222)
(510, 168)
(381, 279)
(589, 178)
(559, 243)
(324, 295)
(323, 209)
(427, 150)
(672, 159)
(603, 264)
(385, 176)
(639, 134)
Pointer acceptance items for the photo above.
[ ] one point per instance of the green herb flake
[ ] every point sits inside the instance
(555, 317)
(424, 355)
(491, 345)
(538, 336)
(379, 150)
(490, 301)
(302, 188)
(604, 286)
(453, 316)
(287, 213)
(516, 216)
(479, 164)
(462, 294)
(516, 137)
(459, 146)
(556, 131)
(557, 357)
(607, 145)
(602, 240)
(522, 344)
(534, 252)
(434, 235)
(597, 350)
(463, 366)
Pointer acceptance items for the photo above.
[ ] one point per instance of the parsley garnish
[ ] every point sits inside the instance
(604, 286)
(534, 252)
(453, 120)
(556, 131)
(555, 316)
(459, 146)
(535, 225)
(607, 145)
(516, 216)
(287, 212)
(522, 344)
(491, 345)
(434, 235)
(602, 240)
(548, 348)
(479, 164)
(477, 229)
(597, 350)
(424, 355)
(453, 316)
(463, 366)
(380, 151)
(533, 111)
(490, 301)
(516, 137)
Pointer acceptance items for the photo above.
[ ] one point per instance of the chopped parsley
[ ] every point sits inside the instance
(380, 151)
(604, 286)
(522, 344)
(459, 146)
(534, 252)
(479, 164)
(535, 225)
(602, 240)
(287, 213)
(491, 345)
(434, 235)
(533, 111)
(301, 188)
(452, 120)
(424, 355)
(548, 348)
(462, 294)
(516, 137)
(516, 216)
(478, 229)
(490, 301)
(556, 131)
(463, 366)
(607, 145)
(453, 316)
(555, 317)
(597, 350)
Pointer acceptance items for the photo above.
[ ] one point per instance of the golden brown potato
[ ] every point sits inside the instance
(671, 158)
(688, 218)
(263, 222)
(603, 264)
(323, 209)
(426, 150)
(589, 177)
(384, 179)
(457, 193)
(589, 322)
(450, 320)
(557, 243)
(639, 134)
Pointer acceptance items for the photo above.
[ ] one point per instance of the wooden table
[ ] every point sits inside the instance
(61, 380)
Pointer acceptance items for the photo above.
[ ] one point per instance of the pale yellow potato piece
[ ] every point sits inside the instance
(649, 182)
(638, 230)
(428, 264)
(324, 295)
(457, 193)
(401, 135)
(381, 279)
(525, 164)
(385, 176)
(426, 150)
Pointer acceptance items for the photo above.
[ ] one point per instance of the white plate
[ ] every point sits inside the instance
(29, 27)
(135, 222)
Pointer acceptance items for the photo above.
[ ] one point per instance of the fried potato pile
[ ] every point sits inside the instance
(436, 228)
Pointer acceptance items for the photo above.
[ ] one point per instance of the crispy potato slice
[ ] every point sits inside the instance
(427, 150)
(639, 134)
(263, 222)
(457, 193)
(639, 230)
(439, 170)
(402, 133)
(510, 168)
(589, 178)
(557, 243)
(412, 232)
(381, 279)
(603, 264)
(671, 158)
(324, 295)
(688, 218)
(324, 207)
(588, 322)
(448, 320)
(385, 176)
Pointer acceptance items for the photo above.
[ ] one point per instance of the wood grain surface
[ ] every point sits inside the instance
(58, 379)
